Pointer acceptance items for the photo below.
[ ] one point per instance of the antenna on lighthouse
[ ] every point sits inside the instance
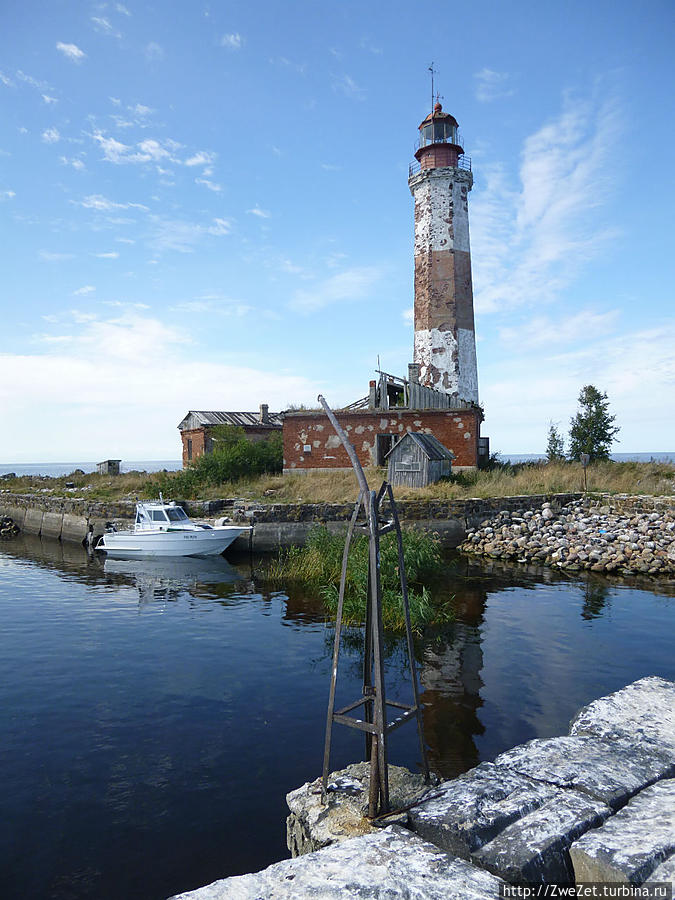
(433, 72)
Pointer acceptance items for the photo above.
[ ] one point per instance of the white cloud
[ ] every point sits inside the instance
(76, 163)
(408, 316)
(101, 203)
(48, 256)
(211, 185)
(491, 85)
(260, 213)
(201, 158)
(351, 284)
(214, 304)
(7, 195)
(542, 331)
(183, 236)
(146, 151)
(109, 254)
(97, 388)
(346, 85)
(71, 51)
(122, 9)
(6, 80)
(48, 100)
(140, 109)
(635, 368)
(529, 241)
(104, 26)
(231, 41)
(86, 289)
(154, 52)
(51, 136)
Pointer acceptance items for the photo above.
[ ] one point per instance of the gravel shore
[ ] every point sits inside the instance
(581, 535)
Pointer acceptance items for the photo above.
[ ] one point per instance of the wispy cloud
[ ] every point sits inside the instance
(211, 185)
(75, 162)
(7, 195)
(491, 85)
(154, 52)
(260, 213)
(408, 316)
(183, 236)
(231, 41)
(6, 80)
(122, 9)
(530, 240)
(86, 289)
(214, 304)
(51, 136)
(49, 256)
(71, 51)
(49, 100)
(351, 284)
(201, 158)
(345, 84)
(101, 203)
(104, 26)
(108, 254)
(543, 331)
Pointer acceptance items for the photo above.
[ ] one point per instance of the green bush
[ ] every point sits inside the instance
(318, 565)
(234, 457)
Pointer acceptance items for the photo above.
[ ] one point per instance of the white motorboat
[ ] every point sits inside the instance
(163, 529)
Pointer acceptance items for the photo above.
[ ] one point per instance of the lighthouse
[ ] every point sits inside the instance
(445, 338)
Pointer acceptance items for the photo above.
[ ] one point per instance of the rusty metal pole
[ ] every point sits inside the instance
(373, 696)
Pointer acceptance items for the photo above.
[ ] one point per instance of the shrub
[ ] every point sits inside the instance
(318, 565)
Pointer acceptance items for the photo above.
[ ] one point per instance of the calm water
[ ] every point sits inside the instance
(153, 715)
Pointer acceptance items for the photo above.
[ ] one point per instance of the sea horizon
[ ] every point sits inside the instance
(58, 469)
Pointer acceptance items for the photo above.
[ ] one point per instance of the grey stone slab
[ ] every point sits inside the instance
(467, 812)
(74, 528)
(391, 864)
(611, 771)
(535, 849)
(642, 711)
(632, 844)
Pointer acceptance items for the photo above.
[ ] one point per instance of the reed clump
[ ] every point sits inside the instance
(317, 566)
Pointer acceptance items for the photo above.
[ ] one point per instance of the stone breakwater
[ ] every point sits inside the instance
(583, 534)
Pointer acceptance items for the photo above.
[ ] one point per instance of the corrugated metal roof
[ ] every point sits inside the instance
(201, 418)
(430, 445)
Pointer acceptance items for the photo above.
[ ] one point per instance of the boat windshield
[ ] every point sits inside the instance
(176, 514)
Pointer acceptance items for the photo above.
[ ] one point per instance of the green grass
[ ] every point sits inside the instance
(317, 566)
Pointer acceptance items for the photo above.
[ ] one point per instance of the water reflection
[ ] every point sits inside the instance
(168, 579)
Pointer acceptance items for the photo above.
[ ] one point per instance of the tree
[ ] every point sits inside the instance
(592, 430)
(555, 448)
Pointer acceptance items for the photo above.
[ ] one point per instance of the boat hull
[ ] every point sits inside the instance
(188, 542)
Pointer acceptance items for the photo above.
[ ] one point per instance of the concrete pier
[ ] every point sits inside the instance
(597, 804)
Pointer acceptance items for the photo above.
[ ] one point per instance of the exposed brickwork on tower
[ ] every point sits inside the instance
(445, 343)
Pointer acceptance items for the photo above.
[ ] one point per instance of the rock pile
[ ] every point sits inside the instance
(580, 536)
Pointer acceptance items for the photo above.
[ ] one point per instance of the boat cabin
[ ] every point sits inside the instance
(159, 516)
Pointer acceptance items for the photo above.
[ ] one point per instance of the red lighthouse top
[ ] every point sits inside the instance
(439, 143)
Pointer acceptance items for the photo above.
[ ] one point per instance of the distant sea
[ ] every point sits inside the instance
(58, 469)
(617, 457)
(156, 465)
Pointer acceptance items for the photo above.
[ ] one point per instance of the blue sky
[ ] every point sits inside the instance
(205, 206)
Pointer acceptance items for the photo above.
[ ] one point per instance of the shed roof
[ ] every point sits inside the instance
(201, 418)
(428, 444)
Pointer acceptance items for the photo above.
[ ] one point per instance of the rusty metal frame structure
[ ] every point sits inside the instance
(374, 723)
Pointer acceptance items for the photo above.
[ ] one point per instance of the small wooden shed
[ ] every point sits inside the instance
(109, 467)
(417, 460)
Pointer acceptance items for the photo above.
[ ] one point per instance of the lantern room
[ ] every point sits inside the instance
(440, 141)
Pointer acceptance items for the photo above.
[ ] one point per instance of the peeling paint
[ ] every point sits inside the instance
(359, 429)
(332, 442)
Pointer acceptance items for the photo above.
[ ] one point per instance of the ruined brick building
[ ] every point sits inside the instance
(440, 394)
(196, 428)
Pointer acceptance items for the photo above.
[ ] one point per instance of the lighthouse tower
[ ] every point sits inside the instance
(445, 340)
